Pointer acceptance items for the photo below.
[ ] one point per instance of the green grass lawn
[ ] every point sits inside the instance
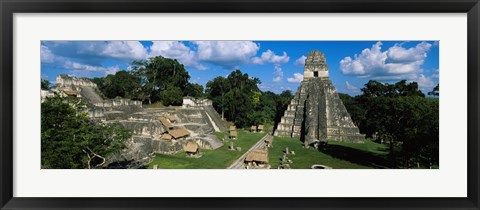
(338, 155)
(219, 158)
(367, 146)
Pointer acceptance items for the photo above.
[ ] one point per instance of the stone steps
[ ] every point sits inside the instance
(317, 106)
(90, 94)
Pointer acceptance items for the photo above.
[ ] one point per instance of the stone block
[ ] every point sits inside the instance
(317, 111)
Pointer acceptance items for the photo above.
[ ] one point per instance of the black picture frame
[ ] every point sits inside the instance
(10, 7)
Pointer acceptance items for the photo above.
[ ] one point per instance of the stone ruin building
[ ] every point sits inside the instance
(88, 91)
(160, 130)
(316, 113)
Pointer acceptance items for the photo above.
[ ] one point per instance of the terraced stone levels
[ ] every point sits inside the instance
(316, 113)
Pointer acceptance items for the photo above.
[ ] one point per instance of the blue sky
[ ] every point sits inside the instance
(278, 64)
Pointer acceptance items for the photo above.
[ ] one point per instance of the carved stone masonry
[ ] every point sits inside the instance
(316, 112)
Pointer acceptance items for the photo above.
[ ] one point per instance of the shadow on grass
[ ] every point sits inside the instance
(126, 164)
(357, 156)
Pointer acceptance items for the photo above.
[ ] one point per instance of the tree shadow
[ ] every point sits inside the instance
(126, 164)
(357, 156)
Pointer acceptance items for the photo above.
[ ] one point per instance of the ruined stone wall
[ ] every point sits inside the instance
(118, 102)
(68, 81)
(190, 101)
(45, 94)
(144, 127)
(315, 65)
(316, 112)
(200, 120)
(90, 93)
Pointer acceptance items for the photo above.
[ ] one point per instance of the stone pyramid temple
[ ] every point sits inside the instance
(316, 113)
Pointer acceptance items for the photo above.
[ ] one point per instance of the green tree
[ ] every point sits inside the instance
(265, 108)
(215, 91)
(69, 140)
(410, 122)
(170, 96)
(121, 84)
(194, 90)
(45, 84)
(158, 73)
(355, 109)
(377, 89)
(435, 91)
(256, 98)
(233, 96)
(400, 115)
(282, 102)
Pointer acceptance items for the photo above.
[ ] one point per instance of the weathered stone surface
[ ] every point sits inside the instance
(199, 119)
(88, 90)
(215, 118)
(97, 107)
(315, 65)
(65, 81)
(316, 112)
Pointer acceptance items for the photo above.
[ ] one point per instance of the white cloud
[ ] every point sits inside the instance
(112, 70)
(176, 50)
(93, 53)
(368, 61)
(270, 57)
(119, 50)
(398, 54)
(277, 79)
(300, 61)
(297, 78)
(50, 59)
(227, 54)
(278, 72)
(426, 83)
(395, 63)
(264, 87)
(74, 66)
(123, 50)
(46, 55)
(350, 86)
(436, 74)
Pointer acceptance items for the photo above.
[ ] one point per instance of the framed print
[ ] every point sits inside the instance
(242, 105)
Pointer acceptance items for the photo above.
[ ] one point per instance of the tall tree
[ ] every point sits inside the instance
(435, 91)
(282, 102)
(45, 84)
(216, 90)
(158, 73)
(355, 109)
(121, 84)
(234, 96)
(400, 115)
(171, 96)
(194, 90)
(69, 140)
(264, 108)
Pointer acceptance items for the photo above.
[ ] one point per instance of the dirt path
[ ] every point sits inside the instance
(239, 163)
